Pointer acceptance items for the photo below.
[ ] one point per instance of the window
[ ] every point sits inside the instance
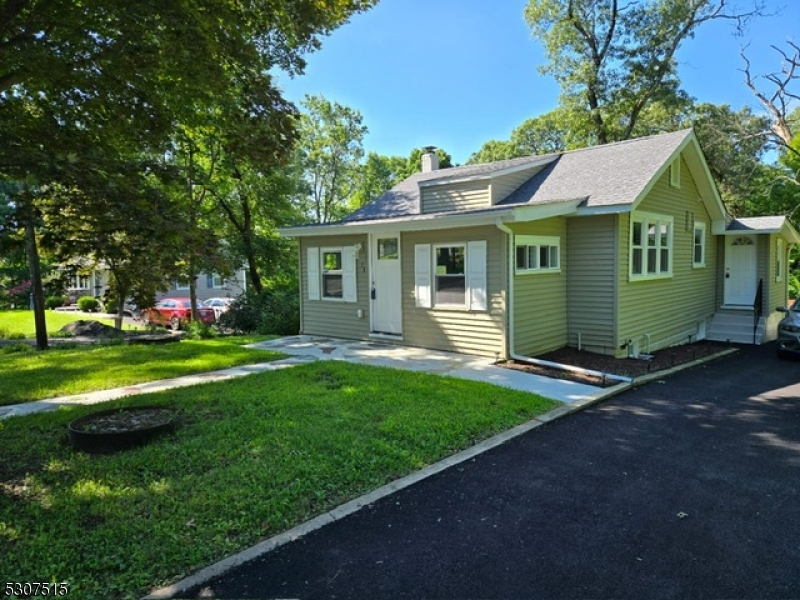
(332, 274)
(179, 285)
(675, 173)
(450, 276)
(651, 246)
(537, 254)
(216, 281)
(699, 251)
(779, 256)
(82, 282)
(387, 249)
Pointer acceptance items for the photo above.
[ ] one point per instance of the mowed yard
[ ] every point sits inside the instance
(252, 457)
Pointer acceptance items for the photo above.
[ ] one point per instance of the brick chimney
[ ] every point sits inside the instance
(430, 160)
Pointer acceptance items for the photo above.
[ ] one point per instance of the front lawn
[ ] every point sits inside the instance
(20, 323)
(254, 457)
(33, 375)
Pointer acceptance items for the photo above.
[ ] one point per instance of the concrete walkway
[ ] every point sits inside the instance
(303, 349)
(451, 364)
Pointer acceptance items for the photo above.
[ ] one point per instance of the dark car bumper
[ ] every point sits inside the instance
(788, 343)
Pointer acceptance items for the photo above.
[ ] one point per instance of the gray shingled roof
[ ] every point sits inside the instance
(612, 174)
(774, 223)
(606, 175)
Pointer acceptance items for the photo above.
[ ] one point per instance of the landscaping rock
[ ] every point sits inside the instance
(94, 329)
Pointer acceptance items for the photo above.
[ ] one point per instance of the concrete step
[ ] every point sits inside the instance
(737, 327)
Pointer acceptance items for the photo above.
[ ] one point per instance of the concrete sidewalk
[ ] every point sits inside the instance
(303, 349)
(450, 364)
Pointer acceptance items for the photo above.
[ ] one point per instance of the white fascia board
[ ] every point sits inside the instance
(537, 212)
(608, 209)
(418, 223)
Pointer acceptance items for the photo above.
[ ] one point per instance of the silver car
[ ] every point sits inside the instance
(789, 330)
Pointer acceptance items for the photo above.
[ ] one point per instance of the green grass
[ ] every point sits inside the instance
(27, 376)
(254, 457)
(20, 323)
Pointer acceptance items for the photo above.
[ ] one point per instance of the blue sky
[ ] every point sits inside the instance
(457, 73)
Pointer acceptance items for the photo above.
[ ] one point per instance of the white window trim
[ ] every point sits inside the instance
(647, 219)
(538, 241)
(779, 260)
(699, 225)
(179, 286)
(214, 284)
(322, 252)
(434, 293)
(476, 292)
(315, 271)
(675, 173)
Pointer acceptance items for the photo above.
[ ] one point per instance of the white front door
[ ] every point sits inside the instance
(385, 293)
(740, 270)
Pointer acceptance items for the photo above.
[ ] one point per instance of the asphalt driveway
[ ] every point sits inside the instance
(686, 488)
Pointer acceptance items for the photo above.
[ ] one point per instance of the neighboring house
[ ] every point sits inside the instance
(619, 249)
(209, 285)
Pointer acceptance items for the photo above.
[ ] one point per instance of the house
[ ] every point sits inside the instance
(94, 282)
(620, 249)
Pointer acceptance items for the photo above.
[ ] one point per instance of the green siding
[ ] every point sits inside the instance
(591, 281)
(471, 332)
(540, 299)
(455, 196)
(668, 310)
(330, 317)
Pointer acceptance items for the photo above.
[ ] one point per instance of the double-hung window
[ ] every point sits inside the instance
(450, 276)
(332, 273)
(779, 257)
(650, 246)
(537, 254)
(699, 248)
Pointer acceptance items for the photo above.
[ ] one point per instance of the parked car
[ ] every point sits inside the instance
(176, 313)
(789, 330)
(220, 305)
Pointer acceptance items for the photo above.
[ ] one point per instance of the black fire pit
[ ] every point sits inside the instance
(121, 428)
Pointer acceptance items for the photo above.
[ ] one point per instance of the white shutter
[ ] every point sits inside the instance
(476, 276)
(349, 292)
(422, 275)
(312, 266)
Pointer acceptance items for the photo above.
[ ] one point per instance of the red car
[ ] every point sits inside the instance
(176, 312)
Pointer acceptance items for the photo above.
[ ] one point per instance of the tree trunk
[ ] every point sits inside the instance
(36, 276)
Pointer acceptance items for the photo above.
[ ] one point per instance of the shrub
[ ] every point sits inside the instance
(15, 348)
(88, 304)
(272, 311)
(199, 331)
(52, 302)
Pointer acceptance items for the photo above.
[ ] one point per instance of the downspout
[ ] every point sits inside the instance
(510, 329)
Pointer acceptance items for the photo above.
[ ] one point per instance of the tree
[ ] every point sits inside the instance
(331, 146)
(612, 60)
(113, 70)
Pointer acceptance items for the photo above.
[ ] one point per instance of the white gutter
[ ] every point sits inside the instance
(510, 327)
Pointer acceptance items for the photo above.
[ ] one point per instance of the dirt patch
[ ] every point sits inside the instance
(625, 367)
(94, 329)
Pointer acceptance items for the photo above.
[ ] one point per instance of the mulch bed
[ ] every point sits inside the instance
(626, 367)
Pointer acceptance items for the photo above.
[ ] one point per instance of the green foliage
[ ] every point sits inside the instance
(20, 322)
(88, 304)
(254, 457)
(52, 302)
(16, 348)
(199, 331)
(614, 60)
(331, 147)
(275, 311)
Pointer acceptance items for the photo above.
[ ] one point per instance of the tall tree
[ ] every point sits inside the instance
(612, 59)
(331, 146)
(112, 70)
